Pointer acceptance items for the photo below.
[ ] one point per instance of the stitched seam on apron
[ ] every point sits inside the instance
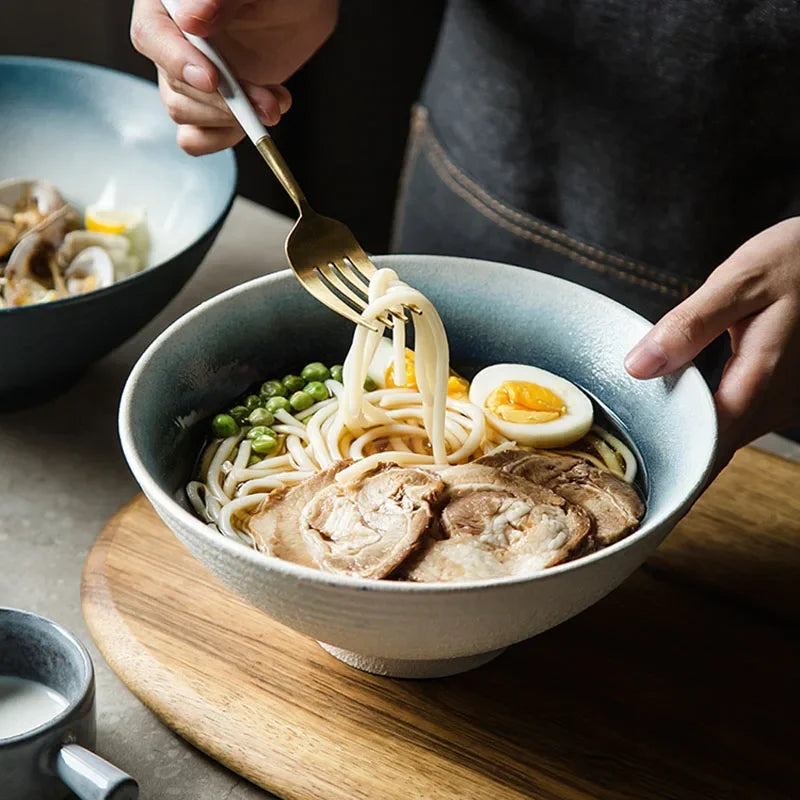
(520, 224)
(409, 161)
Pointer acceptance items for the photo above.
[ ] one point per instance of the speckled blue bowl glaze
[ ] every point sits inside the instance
(92, 131)
(52, 758)
(492, 313)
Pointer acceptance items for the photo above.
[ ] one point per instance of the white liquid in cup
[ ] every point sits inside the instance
(24, 705)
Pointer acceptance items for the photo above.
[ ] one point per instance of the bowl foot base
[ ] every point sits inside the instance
(411, 668)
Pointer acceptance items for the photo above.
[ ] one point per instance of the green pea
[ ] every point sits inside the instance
(275, 404)
(315, 371)
(273, 389)
(317, 390)
(239, 413)
(258, 431)
(370, 385)
(337, 373)
(300, 401)
(264, 445)
(293, 383)
(260, 416)
(252, 402)
(224, 425)
(253, 460)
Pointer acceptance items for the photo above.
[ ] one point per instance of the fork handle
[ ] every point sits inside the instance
(241, 108)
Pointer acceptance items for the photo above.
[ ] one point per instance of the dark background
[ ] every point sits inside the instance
(345, 134)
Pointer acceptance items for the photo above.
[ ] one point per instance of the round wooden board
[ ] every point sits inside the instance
(664, 689)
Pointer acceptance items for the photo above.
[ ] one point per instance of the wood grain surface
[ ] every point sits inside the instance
(683, 683)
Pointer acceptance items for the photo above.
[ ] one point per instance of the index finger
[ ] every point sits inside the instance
(683, 332)
(157, 37)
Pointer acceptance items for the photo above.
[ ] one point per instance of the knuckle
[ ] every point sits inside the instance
(172, 83)
(748, 285)
(189, 142)
(685, 324)
(175, 108)
(761, 376)
(140, 33)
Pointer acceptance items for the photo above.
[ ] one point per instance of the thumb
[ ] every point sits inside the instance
(689, 327)
(203, 17)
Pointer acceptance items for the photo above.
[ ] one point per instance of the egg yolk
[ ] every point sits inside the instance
(457, 387)
(521, 401)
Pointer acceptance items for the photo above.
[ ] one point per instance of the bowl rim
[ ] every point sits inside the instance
(61, 64)
(200, 531)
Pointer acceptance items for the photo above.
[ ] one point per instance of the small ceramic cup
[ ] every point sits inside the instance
(52, 758)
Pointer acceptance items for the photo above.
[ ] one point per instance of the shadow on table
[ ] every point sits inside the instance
(655, 692)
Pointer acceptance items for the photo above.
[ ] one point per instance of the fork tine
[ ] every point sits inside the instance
(363, 267)
(354, 274)
(331, 277)
(351, 278)
(319, 289)
(347, 271)
(362, 264)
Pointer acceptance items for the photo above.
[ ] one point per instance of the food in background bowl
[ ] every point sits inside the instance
(393, 466)
(119, 152)
(47, 254)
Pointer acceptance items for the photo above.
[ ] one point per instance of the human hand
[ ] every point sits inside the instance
(263, 41)
(755, 296)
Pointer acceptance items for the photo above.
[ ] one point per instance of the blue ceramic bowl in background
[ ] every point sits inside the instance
(493, 313)
(92, 132)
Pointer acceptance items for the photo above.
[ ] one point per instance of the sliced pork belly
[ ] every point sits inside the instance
(275, 527)
(369, 526)
(614, 505)
(497, 525)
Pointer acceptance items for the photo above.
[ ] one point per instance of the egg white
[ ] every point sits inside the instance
(380, 363)
(560, 432)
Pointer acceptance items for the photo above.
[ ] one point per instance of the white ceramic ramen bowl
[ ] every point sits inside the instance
(493, 313)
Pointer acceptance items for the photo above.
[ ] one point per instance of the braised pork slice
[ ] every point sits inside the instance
(538, 466)
(275, 527)
(369, 526)
(496, 525)
(614, 505)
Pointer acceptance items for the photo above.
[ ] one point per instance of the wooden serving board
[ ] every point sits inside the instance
(683, 683)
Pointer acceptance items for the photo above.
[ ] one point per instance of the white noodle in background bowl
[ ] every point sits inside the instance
(493, 313)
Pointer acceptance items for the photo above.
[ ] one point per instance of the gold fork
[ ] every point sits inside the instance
(323, 253)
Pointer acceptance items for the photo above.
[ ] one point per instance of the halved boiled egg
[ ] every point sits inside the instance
(532, 406)
(381, 370)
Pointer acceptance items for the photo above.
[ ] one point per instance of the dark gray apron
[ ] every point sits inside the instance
(627, 146)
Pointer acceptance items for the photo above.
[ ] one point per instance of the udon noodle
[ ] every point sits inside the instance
(419, 425)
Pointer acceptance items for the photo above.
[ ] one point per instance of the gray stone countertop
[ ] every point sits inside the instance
(68, 476)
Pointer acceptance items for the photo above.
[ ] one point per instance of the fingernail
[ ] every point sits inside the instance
(646, 360)
(268, 117)
(284, 101)
(197, 78)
